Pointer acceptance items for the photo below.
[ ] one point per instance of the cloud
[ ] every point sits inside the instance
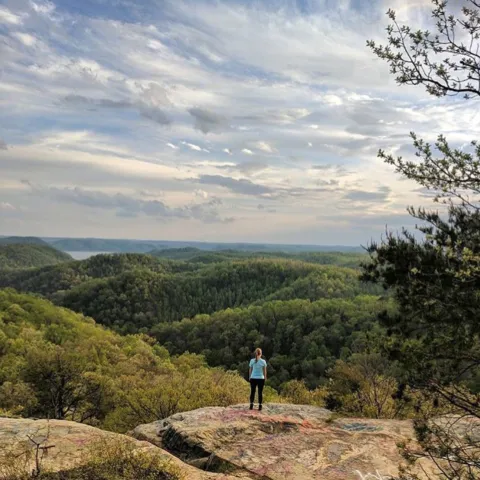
(336, 170)
(7, 16)
(123, 75)
(207, 121)
(241, 186)
(129, 206)
(154, 95)
(27, 39)
(265, 147)
(328, 166)
(201, 193)
(43, 8)
(244, 186)
(327, 183)
(252, 166)
(152, 113)
(80, 100)
(426, 192)
(194, 147)
(247, 168)
(362, 196)
(5, 206)
(3, 145)
(149, 102)
(155, 114)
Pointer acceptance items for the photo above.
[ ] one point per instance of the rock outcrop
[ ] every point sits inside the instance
(64, 444)
(283, 442)
(287, 442)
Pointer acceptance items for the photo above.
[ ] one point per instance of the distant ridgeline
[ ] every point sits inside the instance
(23, 240)
(28, 252)
(145, 246)
(194, 255)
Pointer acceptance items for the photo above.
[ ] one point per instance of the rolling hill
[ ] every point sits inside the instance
(22, 240)
(15, 256)
(195, 255)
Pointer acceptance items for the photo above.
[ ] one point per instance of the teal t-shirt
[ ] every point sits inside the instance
(257, 368)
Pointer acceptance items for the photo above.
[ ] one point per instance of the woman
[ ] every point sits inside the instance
(257, 374)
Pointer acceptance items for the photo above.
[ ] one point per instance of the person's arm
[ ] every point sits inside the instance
(249, 373)
(265, 372)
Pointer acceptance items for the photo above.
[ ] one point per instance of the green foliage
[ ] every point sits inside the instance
(299, 338)
(23, 241)
(296, 392)
(53, 279)
(445, 62)
(20, 256)
(58, 364)
(138, 300)
(132, 293)
(195, 255)
(365, 385)
(435, 276)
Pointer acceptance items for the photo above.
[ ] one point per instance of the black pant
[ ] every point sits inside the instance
(254, 383)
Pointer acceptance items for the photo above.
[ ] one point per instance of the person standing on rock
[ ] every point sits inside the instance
(257, 374)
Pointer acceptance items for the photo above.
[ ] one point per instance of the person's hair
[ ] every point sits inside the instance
(258, 354)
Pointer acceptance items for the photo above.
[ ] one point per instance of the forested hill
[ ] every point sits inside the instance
(15, 256)
(300, 339)
(305, 315)
(141, 299)
(51, 279)
(22, 240)
(133, 292)
(195, 255)
(58, 364)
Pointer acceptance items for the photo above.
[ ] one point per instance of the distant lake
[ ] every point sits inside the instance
(83, 255)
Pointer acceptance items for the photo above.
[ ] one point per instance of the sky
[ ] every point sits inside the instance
(251, 121)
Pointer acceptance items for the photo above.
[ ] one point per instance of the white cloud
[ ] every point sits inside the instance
(227, 151)
(43, 8)
(171, 145)
(27, 39)
(192, 146)
(247, 151)
(201, 193)
(7, 16)
(265, 147)
(333, 100)
(6, 206)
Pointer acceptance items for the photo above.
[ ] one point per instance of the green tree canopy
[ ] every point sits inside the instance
(435, 275)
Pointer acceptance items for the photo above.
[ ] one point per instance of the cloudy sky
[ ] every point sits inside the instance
(253, 120)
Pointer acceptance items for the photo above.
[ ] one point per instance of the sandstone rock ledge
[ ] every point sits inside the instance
(69, 440)
(284, 442)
